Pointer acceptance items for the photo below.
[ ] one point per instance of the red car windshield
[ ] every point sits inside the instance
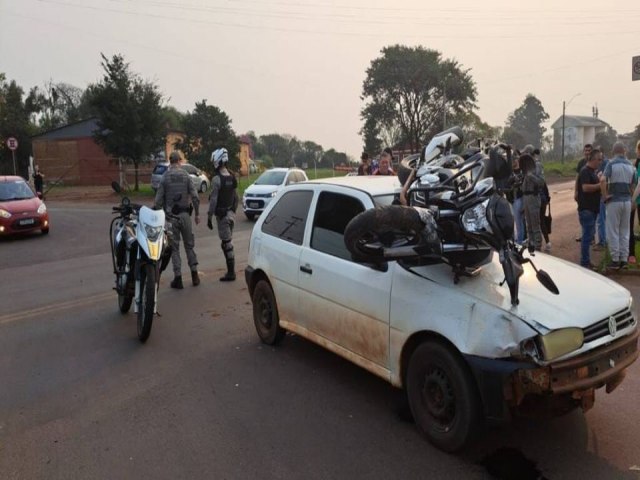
(15, 190)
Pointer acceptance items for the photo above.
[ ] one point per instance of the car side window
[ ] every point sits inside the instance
(189, 169)
(333, 212)
(288, 217)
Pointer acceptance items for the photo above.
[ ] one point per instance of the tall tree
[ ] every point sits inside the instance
(129, 112)
(416, 89)
(524, 125)
(605, 140)
(206, 129)
(16, 121)
(60, 104)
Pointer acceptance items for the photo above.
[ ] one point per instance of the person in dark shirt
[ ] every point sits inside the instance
(365, 167)
(38, 180)
(588, 194)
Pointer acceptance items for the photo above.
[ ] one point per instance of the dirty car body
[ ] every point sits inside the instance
(510, 359)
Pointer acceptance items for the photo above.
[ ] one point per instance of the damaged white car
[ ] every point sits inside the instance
(463, 352)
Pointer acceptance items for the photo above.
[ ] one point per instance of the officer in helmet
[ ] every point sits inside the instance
(223, 203)
(175, 195)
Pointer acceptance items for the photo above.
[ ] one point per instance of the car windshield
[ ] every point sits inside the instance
(270, 178)
(160, 169)
(16, 190)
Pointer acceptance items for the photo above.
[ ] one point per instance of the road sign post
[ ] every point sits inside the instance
(635, 68)
(12, 144)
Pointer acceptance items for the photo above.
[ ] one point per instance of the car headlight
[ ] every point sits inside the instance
(42, 208)
(475, 220)
(553, 345)
(4, 213)
(274, 193)
(152, 232)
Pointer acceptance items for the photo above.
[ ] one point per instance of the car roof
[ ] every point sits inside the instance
(283, 169)
(372, 184)
(11, 178)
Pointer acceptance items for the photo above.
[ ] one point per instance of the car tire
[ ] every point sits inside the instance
(203, 187)
(380, 226)
(45, 231)
(443, 396)
(250, 216)
(265, 314)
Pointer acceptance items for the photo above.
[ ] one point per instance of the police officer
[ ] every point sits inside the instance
(223, 203)
(175, 195)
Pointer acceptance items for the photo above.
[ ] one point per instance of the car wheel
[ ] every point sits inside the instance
(443, 397)
(250, 216)
(45, 231)
(203, 187)
(265, 314)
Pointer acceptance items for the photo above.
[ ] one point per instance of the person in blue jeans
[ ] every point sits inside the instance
(588, 196)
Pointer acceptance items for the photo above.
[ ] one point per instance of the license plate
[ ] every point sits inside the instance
(254, 205)
(27, 221)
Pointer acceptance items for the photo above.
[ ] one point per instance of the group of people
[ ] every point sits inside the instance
(384, 164)
(607, 193)
(177, 195)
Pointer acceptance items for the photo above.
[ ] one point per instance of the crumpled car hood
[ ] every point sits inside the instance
(585, 297)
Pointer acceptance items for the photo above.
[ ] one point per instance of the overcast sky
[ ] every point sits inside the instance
(297, 66)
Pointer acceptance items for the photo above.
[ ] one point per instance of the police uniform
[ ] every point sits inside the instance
(223, 203)
(175, 195)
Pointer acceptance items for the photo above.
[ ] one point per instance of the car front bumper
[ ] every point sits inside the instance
(556, 388)
(24, 224)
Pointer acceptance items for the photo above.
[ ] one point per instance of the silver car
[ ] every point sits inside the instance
(200, 180)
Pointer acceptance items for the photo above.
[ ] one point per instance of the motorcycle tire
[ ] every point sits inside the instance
(124, 302)
(147, 301)
(373, 235)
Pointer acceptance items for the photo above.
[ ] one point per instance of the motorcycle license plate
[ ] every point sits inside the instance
(27, 221)
(254, 205)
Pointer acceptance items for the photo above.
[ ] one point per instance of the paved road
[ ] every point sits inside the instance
(81, 398)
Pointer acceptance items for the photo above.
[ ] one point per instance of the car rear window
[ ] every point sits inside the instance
(159, 169)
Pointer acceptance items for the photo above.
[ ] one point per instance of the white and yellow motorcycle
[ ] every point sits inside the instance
(140, 252)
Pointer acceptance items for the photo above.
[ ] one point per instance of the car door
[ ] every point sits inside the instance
(279, 245)
(344, 302)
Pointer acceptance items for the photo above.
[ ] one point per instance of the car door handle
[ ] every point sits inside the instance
(306, 269)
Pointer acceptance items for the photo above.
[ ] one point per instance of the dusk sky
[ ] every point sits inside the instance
(297, 66)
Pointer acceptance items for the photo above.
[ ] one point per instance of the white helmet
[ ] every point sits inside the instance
(219, 157)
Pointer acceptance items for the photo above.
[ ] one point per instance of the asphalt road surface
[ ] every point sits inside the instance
(203, 398)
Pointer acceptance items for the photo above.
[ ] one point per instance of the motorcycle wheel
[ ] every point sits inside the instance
(373, 235)
(124, 302)
(147, 300)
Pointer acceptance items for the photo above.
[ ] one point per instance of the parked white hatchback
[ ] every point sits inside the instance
(461, 352)
(258, 195)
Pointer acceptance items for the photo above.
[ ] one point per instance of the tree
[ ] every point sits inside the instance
(605, 140)
(331, 158)
(15, 121)
(129, 113)
(206, 129)
(60, 104)
(172, 118)
(414, 88)
(524, 125)
(371, 135)
(278, 147)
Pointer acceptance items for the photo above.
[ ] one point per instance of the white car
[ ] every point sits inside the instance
(258, 195)
(462, 352)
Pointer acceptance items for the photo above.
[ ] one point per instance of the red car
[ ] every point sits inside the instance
(21, 211)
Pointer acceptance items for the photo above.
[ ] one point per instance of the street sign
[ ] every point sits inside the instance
(635, 72)
(12, 143)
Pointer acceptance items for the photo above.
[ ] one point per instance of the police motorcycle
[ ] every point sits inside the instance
(140, 252)
(457, 214)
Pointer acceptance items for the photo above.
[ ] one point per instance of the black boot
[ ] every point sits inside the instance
(195, 279)
(177, 282)
(230, 276)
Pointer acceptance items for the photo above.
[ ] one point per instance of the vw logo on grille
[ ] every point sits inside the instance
(613, 326)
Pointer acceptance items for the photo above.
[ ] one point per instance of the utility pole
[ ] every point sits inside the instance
(563, 107)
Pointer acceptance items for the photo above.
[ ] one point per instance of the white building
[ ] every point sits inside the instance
(578, 131)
